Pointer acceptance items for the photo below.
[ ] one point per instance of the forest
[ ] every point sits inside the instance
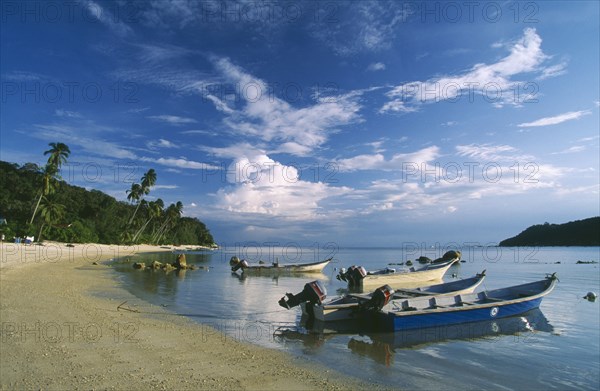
(36, 201)
(574, 233)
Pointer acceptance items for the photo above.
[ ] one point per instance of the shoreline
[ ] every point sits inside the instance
(61, 329)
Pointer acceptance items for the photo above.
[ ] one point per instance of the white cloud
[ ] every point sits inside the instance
(161, 143)
(376, 66)
(557, 119)
(573, 149)
(262, 186)
(365, 26)
(274, 120)
(493, 81)
(105, 17)
(67, 113)
(95, 146)
(399, 161)
(172, 119)
(553, 71)
(168, 187)
(489, 152)
(181, 163)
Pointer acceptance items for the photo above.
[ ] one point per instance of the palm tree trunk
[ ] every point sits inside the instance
(40, 233)
(135, 211)
(36, 207)
(141, 230)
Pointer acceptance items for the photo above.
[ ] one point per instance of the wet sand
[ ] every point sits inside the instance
(61, 329)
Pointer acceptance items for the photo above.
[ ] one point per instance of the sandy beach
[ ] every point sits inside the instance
(61, 329)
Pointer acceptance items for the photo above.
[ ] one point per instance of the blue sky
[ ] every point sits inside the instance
(359, 123)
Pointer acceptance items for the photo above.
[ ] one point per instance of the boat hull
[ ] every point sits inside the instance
(316, 267)
(411, 278)
(393, 322)
(434, 311)
(345, 308)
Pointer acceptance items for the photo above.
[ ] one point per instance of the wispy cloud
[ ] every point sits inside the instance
(364, 26)
(494, 81)
(161, 143)
(67, 113)
(491, 153)
(108, 19)
(557, 119)
(573, 149)
(182, 162)
(72, 135)
(173, 119)
(273, 120)
(378, 161)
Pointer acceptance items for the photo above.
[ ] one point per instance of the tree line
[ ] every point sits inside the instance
(36, 201)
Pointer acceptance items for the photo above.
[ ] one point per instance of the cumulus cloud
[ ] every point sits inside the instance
(260, 185)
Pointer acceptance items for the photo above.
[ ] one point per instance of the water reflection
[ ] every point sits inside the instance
(275, 277)
(365, 340)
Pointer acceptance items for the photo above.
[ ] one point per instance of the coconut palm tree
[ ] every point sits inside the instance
(155, 209)
(51, 212)
(148, 180)
(173, 213)
(59, 152)
(48, 187)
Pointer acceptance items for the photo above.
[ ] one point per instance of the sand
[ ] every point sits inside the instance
(60, 329)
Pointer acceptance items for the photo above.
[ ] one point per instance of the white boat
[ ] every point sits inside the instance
(357, 276)
(353, 306)
(314, 267)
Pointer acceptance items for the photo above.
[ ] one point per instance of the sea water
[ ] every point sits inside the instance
(555, 347)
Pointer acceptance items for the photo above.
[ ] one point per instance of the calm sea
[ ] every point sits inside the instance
(557, 347)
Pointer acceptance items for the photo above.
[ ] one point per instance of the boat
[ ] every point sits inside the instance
(435, 311)
(353, 306)
(246, 267)
(358, 277)
(383, 347)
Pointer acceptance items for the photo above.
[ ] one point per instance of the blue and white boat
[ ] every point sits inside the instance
(434, 311)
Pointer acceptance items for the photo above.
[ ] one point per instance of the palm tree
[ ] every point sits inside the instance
(173, 213)
(148, 180)
(59, 153)
(51, 212)
(155, 209)
(48, 176)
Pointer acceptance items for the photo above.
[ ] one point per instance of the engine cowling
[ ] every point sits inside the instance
(381, 296)
(313, 293)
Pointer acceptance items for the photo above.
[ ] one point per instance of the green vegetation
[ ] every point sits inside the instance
(575, 233)
(37, 201)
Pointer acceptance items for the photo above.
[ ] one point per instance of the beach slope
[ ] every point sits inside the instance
(61, 329)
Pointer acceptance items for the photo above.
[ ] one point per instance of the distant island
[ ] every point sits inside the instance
(574, 233)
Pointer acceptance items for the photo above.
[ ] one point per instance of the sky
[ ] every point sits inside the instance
(291, 122)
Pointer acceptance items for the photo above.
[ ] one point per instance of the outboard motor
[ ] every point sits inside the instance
(355, 275)
(380, 298)
(313, 293)
(235, 266)
(342, 274)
